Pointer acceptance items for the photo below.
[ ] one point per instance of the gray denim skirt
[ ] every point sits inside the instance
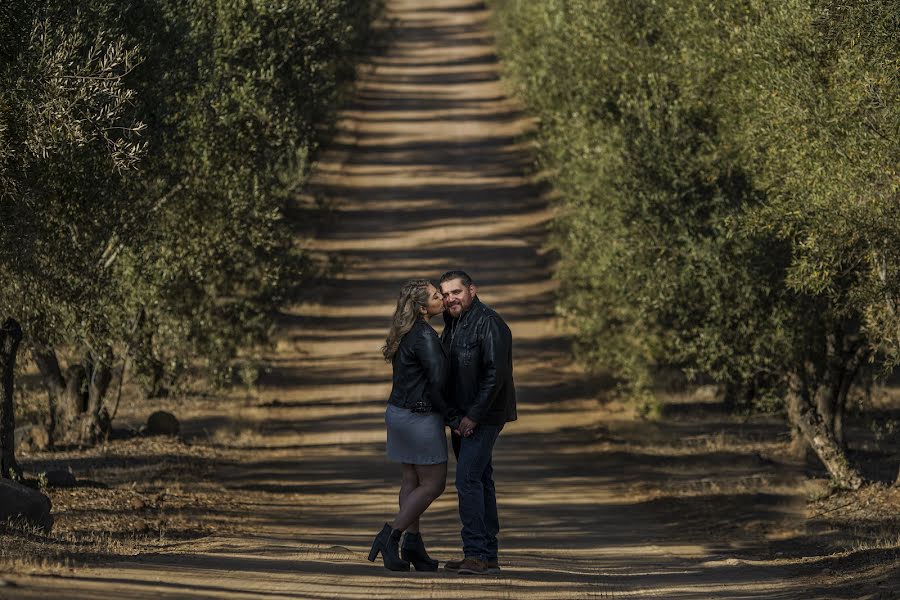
(415, 438)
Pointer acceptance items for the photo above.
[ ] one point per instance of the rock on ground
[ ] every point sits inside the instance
(60, 478)
(21, 502)
(162, 423)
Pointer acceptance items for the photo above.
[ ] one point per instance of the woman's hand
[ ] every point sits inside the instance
(466, 427)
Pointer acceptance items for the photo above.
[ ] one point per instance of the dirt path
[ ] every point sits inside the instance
(428, 174)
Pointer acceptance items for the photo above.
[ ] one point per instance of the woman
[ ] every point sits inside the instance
(415, 418)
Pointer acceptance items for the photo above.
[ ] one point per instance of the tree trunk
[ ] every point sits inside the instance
(10, 337)
(54, 383)
(100, 376)
(74, 401)
(826, 406)
(148, 369)
(848, 376)
(95, 422)
(799, 447)
(840, 409)
(803, 414)
(77, 415)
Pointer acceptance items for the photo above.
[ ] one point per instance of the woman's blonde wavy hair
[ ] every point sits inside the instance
(413, 298)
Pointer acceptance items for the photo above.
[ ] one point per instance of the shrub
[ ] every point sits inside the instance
(725, 169)
(151, 154)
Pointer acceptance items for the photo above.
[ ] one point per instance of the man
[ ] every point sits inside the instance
(481, 388)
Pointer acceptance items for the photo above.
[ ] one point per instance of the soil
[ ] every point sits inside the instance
(277, 492)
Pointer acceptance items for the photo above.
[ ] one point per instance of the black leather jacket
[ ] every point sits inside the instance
(481, 372)
(420, 371)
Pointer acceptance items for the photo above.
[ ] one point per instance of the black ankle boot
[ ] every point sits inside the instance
(413, 550)
(388, 543)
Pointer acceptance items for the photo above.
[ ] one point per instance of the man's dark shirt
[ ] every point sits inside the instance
(480, 384)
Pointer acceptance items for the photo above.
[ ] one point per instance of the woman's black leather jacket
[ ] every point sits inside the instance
(420, 372)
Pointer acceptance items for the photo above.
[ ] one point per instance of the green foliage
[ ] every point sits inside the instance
(250, 92)
(68, 140)
(151, 157)
(823, 140)
(729, 175)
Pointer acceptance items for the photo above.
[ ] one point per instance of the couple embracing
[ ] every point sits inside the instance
(462, 380)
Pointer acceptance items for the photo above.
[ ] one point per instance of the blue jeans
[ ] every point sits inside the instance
(475, 488)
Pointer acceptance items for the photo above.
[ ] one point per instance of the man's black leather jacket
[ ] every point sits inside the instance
(420, 372)
(481, 373)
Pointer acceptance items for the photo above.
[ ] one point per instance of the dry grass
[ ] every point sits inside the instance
(26, 550)
(134, 496)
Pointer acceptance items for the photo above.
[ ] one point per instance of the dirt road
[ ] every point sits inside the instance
(429, 173)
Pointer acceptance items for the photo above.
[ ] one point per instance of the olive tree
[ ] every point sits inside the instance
(153, 155)
(68, 140)
(729, 176)
(237, 97)
(819, 128)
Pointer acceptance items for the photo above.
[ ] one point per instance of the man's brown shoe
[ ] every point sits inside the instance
(473, 566)
(453, 565)
(493, 567)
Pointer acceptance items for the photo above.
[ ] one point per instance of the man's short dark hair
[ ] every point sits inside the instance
(449, 275)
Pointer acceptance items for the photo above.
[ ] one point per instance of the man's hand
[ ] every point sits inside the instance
(466, 427)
